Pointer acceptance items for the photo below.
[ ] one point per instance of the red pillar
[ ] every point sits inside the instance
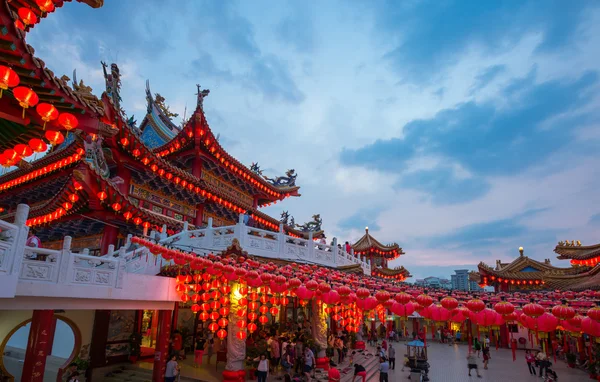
(38, 346)
(161, 352)
(109, 236)
(199, 220)
(255, 202)
(175, 316)
(197, 167)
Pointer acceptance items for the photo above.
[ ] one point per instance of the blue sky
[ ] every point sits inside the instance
(461, 130)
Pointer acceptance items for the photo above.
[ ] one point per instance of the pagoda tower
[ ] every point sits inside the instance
(378, 255)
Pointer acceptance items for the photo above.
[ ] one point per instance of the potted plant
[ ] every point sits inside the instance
(135, 343)
(571, 359)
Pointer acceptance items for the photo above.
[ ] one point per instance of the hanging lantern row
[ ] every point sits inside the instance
(221, 156)
(390, 255)
(589, 262)
(48, 169)
(70, 198)
(493, 280)
(176, 179)
(398, 276)
(27, 16)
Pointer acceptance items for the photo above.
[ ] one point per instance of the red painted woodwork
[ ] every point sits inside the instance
(197, 167)
(109, 236)
(198, 221)
(99, 336)
(38, 345)
(175, 316)
(161, 352)
(125, 174)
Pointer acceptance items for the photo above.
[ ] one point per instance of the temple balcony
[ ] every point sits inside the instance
(262, 243)
(35, 278)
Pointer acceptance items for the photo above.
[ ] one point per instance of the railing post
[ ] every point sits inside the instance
(128, 241)
(240, 232)
(334, 251)
(163, 232)
(121, 269)
(311, 246)
(18, 247)
(63, 261)
(186, 225)
(208, 235)
(111, 250)
(281, 238)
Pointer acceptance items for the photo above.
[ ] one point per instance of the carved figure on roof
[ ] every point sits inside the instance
(131, 121)
(94, 155)
(312, 226)
(255, 168)
(284, 181)
(113, 84)
(201, 95)
(287, 219)
(160, 102)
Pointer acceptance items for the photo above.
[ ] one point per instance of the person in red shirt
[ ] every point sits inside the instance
(177, 342)
(530, 362)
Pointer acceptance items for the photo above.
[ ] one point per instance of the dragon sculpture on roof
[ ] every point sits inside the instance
(283, 181)
(312, 226)
(255, 168)
(287, 219)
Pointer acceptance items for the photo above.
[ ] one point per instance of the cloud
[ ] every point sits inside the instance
(483, 138)
(443, 186)
(429, 35)
(595, 219)
(361, 219)
(297, 30)
(487, 76)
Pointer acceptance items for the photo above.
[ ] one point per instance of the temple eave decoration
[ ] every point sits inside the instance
(398, 274)
(369, 246)
(588, 255)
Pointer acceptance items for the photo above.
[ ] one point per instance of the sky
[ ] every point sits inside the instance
(459, 129)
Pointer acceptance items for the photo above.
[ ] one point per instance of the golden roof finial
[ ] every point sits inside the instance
(521, 250)
(578, 243)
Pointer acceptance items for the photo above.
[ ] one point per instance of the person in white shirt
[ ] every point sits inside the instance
(309, 361)
(262, 371)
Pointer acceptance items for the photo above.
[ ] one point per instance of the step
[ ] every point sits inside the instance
(130, 373)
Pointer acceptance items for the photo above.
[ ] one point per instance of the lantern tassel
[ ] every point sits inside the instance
(1, 91)
(23, 113)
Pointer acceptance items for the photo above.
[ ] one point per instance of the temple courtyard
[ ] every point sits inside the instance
(448, 364)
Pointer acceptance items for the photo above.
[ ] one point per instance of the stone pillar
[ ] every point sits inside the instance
(161, 352)
(39, 345)
(109, 237)
(236, 348)
(319, 331)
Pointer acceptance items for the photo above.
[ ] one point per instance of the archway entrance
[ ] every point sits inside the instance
(66, 344)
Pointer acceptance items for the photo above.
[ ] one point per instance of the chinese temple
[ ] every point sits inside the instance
(103, 176)
(378, 255)
(526, 274)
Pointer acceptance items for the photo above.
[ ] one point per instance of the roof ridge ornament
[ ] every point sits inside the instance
(201, 95)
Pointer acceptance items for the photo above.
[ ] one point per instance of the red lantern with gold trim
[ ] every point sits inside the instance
(27, 15)
(37, 145)
(47, 112)
(8, 78)
(54, 137)
(26, 97)
(45, 5)
(68, 121)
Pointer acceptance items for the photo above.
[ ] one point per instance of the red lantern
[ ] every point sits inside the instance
(54, 137)
(45, 5)
(102, 196)
(26, 97)
(8, 78)
(424, 300)
(504, 308)
(47, 112)
(594, 313)
(27, 15)
(563, 312)
(37, 145)
(195, 308)
(241, 335)
(533, 310)
(23, 150)
(68, 121)
(449, 303)
(475, 305)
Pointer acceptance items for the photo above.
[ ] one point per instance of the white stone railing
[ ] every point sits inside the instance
(263, 243)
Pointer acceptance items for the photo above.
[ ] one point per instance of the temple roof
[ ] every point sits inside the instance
(157, 127)
(398, 272)
(368, 243)
(589, 279)
(574, 250)
(525, 268)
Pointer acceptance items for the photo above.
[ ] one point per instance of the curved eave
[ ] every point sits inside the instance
(391, 272)
(577, 252)
(15, 53)
(38, 164)
(270, 223)
(219, 155)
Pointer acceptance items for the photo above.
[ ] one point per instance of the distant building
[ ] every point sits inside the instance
(420, 282)
(460, 280)
(474, 286)
(445, 283)
(433, 282)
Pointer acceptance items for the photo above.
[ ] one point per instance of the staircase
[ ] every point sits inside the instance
(366, 358)
(130, 373)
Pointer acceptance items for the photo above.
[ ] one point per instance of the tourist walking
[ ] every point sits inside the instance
(542, 360)
(384, 368)
(339, 347)
(199, 351)
(486, 357)
(359, 370)
(172, 369)
(392, 357)
(309, 361)
(262, 371)
(210, 348)
(472, 363)
(458, 335)
(477, 346)
(530, 362)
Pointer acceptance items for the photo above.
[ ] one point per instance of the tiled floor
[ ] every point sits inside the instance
(448, 364)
